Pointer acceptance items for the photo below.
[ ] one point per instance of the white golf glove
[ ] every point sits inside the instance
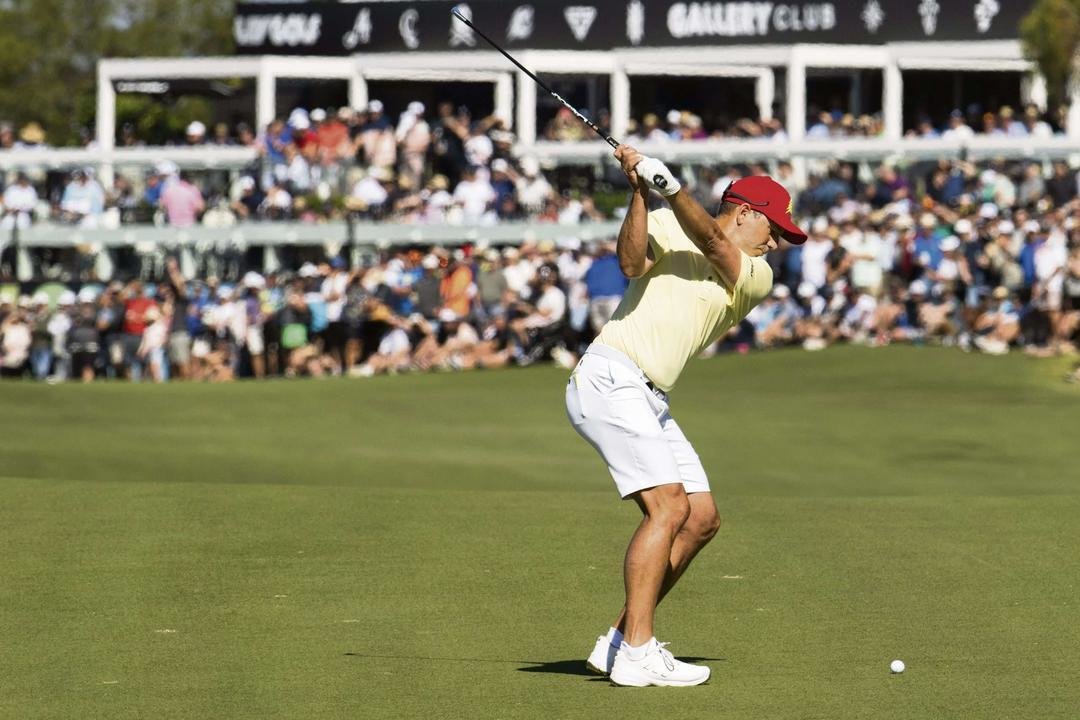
(658, 177)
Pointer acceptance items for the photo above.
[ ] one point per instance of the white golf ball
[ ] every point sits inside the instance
(897, 666)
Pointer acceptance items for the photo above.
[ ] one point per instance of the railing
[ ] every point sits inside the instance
(294, 233)
(705, 151)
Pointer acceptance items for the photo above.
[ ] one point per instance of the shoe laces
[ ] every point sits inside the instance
(666, 655)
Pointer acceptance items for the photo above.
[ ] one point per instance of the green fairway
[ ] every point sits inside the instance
(445, 546)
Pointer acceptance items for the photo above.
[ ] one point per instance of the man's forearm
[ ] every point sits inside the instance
(633, 246)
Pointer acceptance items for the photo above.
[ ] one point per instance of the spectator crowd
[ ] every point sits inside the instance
(442, 167)
(985, 259)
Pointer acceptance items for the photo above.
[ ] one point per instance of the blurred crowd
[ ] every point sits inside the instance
(445, 167)
(440, 167)
(984, 259)
(411, 309)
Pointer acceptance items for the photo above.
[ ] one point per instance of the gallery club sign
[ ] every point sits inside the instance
(743, 19)
(342, 28)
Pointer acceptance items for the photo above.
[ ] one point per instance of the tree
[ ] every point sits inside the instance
(49, 51)
(1050, 34)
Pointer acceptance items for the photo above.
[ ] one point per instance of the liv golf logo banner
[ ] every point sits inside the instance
(342, 28)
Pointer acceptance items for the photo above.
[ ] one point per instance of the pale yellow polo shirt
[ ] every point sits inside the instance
(680, 307)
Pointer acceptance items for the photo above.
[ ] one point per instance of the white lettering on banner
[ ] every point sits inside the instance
(873, 15)
(809, 18)
(460, 33)
(737, 19)
(292, 30)
(580, 19)
(407, 27)
(985, 10)
(635, 22)
(520, 26)
(360, 34)
(928, 10)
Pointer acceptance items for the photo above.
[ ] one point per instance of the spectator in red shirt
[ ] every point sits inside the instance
(333, 137)
(182, 202)
(136, 304)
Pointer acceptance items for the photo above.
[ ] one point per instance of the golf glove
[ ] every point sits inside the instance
(658, 177)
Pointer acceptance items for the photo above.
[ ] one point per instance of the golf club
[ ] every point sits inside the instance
(610, 141)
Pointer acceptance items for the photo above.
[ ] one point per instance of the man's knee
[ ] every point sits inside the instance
(704, 522)
(667, 504)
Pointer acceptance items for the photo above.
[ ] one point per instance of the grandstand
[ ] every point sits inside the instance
(893, 63)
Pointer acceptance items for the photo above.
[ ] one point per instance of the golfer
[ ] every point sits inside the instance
(693, 277)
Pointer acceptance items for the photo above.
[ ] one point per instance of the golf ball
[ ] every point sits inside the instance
(897, 666)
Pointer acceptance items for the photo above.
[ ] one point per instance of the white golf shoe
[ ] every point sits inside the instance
(602, 657)
(658, 667)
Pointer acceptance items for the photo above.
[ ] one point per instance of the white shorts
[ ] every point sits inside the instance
(611, 405)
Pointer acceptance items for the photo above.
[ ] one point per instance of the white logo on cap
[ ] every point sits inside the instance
(360, 34)
(460, 33)
(873, 15)
(407, 27)
(985, 10)
(521, 24)
(635, 22)
(580, 19)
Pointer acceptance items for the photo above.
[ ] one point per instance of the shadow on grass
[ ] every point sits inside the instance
(558, 667)
(577, 666)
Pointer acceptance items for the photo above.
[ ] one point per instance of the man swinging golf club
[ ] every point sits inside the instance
(693, 277)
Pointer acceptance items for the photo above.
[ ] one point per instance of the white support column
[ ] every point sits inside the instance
(526, 109)
(1033, 90)
(765, 94)
(358, 91)
(796, 96)
(620, 103)
(892, 100)
(1072, 122)
(265, 96)
(504, 99)
(105, 129)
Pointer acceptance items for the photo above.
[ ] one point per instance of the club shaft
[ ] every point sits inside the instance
(610, 141)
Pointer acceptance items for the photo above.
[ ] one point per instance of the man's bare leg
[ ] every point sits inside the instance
(700, 527)
(666, 509)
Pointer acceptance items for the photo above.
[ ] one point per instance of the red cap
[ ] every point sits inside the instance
(770, 199)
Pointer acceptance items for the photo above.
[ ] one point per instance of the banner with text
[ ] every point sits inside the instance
(324, 28)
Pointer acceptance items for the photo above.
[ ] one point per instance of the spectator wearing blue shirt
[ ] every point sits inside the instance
(605, 284)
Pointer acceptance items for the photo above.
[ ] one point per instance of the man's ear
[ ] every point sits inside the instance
(741, 214)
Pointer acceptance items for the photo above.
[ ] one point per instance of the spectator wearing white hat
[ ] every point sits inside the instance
(20, 199)
(375, 144)
(413, 136)
(533, 189)
(195, 134)
(476, 196)
(59, 326)
(246, 198)
(83, 201)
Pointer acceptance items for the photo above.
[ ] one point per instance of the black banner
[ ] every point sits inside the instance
(324, 28)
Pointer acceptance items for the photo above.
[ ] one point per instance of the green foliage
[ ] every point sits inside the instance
(1051, 36)
(49, 51)
(158, 120)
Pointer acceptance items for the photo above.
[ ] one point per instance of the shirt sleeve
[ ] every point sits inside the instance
(755, 282)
